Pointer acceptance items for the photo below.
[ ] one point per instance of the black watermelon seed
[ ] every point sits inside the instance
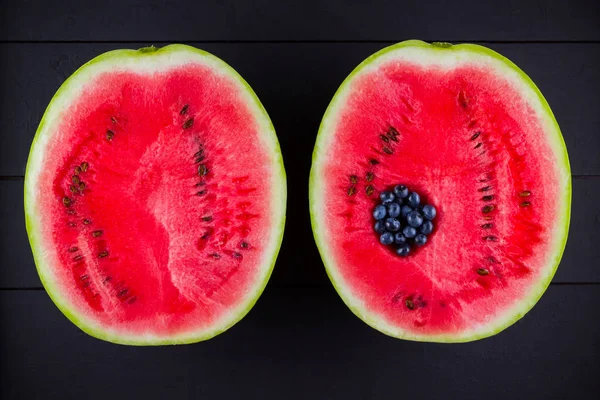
(487, 209)
(475, 135)
(188, 124)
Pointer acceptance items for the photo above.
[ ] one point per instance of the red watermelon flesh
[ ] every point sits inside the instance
(157, 195)
(476, 141)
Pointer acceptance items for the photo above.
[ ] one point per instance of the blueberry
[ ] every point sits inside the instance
(403, 250)
(379, 212)
(414, 199)
(392, 224)
(414, 219)
(426, 228)
(393, 210)
(405, 211)
(399, 238)
(379, 226)
(386, 197)
(386, 238)
(420, 239)
(429, 212)
(401, 191)
(409, 231)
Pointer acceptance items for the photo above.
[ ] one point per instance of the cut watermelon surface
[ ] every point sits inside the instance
(155, 196)
(465, 128)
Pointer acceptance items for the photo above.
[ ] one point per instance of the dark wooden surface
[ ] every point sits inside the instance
(300, 341)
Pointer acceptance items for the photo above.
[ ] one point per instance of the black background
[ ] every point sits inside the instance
(300, 341)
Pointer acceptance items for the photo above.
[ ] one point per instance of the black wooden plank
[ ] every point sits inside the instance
(299, 262)
(135, 20)
(296, 82)
(305, 344)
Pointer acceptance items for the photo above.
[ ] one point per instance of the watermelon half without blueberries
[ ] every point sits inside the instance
(155, 196)
(440, 192)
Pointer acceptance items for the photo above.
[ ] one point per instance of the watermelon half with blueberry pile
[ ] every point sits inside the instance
(155, 196)
(440, 192)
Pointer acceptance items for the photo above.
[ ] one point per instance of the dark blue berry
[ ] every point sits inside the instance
(393, 210)
(392, 224)
(420, 239)
(401, 191)
(429, 212)
(409, 231)
(405, 211)
(386, 197)
(386, 238)
(403, 250)
(414, 199)
(379, 226)
(379, 212)
(426, 228)
(414, 219)
(399, 238)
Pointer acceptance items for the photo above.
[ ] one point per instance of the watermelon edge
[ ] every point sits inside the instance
(563, 221)
(280, 199)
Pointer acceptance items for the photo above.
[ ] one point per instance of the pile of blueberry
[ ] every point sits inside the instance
(401, 220)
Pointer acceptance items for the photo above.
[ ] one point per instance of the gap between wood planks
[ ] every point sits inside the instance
(22, 177)
(162, 41)
(302, 286)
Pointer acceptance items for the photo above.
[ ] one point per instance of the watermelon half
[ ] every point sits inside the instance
(476, 138)
(155, 196)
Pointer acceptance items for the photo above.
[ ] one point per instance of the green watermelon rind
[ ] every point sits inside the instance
(562, 222)
(269, 134)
